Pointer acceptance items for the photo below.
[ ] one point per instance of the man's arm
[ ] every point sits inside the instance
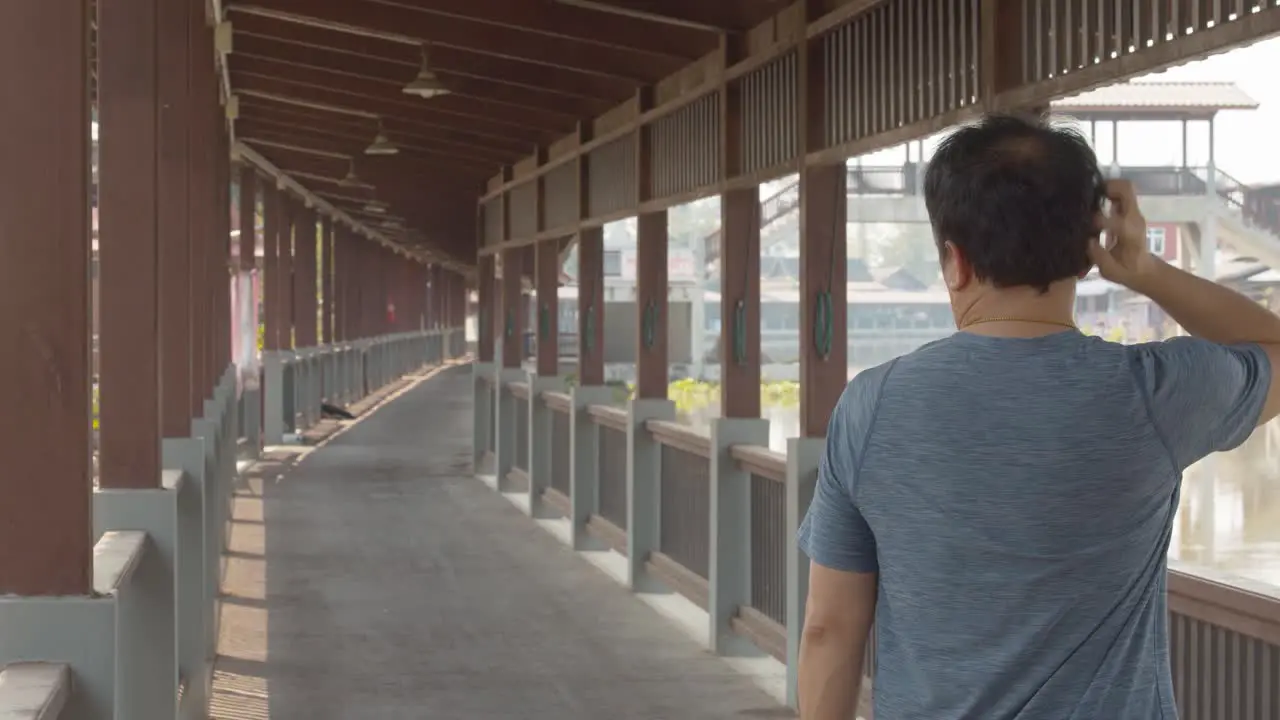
(838, 617)
(843, 573)
(1208, 311)
(1219, 314)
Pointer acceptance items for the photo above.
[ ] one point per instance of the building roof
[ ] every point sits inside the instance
(1161, 97)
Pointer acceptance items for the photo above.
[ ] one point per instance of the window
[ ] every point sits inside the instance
(1155, 241)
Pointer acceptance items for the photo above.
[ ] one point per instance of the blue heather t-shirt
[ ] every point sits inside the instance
(1016, 497)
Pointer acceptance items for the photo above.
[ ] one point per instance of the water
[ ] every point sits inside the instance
(1229, 517)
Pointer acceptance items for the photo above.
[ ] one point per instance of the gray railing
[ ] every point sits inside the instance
(684, 495)
(768, 529)
(612, 470)
(1224, 644)
(560, 405)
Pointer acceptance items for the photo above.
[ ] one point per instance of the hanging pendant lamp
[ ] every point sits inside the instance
(427, 84)
(381, 144)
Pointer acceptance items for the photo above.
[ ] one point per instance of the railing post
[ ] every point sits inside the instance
(504, 445)
(315, 384)
(273, 364)
(482, 430)
(584, 458)
(251, 417)
(304, 370)
(644, 467)
(729, 569)
(540, 440)
(291, 392)
(158, 512)
(802, 474)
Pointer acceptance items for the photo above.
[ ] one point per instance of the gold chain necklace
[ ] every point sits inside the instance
(1070, 326)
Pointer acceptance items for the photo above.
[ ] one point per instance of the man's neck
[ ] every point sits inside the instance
(1019, 312)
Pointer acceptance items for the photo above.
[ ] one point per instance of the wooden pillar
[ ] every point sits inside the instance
(347, 265)
(360, 280)
(511, 324)
(326, 269)
(305, 319)
(248, 220)
(547, 279)
(371, 281)
(460, 301)
(173, 212)
(433, 303)
(651, 305)
(651, 274)
(739, 264)
(45, 522)
(350, 293)
(413, 295)
(591, 318)
(404, 278)
(740, 303)
(378, 284)
(1001, 66)
(484, 308)
(341, 285)
(420, 292)
(824, 370)
(222, 268)
(128, 252)
(442, 298)
(272, 280)
(285, 296)
(198, 217)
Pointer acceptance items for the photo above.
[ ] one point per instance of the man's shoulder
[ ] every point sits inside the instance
(861, 397)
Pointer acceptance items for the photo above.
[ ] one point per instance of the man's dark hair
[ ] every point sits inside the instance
(1018, 196)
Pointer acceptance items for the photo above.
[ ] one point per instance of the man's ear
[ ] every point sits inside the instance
(957, 273)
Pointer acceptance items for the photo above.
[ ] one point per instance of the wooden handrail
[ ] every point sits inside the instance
(1237, 604)
(681, 437)
(761, 461)
(34, 690)
(558, 401)
(519, 389)
(610, 417)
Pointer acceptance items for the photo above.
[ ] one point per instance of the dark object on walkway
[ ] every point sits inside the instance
(333, 411)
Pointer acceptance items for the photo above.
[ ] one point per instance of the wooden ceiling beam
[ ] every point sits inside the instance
(505, 149)
(389, 93)
(354, 147)
(382, 173)
(565, 22)
(359, 137)
(405, 192)
(372, 107)
(394, 76)
(707, 16)
(250, 30)
(409, 25)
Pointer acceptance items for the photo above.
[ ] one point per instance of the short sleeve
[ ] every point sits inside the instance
(1203, 397)
(834, 534)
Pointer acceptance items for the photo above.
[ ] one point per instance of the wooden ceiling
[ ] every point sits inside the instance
(316, 79)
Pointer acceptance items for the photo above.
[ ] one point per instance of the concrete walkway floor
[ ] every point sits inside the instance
(374, 577)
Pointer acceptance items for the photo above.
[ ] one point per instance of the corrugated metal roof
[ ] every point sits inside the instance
(1162, 95)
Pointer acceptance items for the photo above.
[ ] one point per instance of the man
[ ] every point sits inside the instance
(1000, 502)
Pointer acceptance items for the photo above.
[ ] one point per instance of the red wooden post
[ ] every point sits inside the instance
(173, 219)
(128, 251)
(45, 522)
